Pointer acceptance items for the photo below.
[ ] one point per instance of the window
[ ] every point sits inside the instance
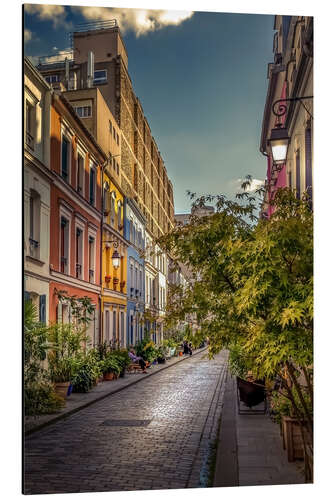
(80, 174)
(308, 162)
(110, 126)
(29, 124)
(298, 175)
(52, 78)
(135, 177)
(114, 133)
(122, 329)
(34, 230)
(79, 253)
(100, 76)
(92, 185)
(65, 158)
(64, 245)
(107, 326)
(42, 308)
(119, 215)
(117, 139)
(91, 256)
(114, 326)
(106, 199)
(113, 208)
(83, 111)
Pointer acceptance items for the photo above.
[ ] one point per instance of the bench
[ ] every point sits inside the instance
(135, 367)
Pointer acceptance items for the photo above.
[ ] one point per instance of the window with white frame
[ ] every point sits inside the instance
(83, 111)
(64, 245)
(34, 229)
(65, 157)
(79, 252)
(100, 76)
(91, 258)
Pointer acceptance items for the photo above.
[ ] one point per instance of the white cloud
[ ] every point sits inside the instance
(140, 21)
(254, 185)
(27, 35)
(55, 13)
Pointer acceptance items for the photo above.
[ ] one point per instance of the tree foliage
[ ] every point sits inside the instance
(252, 289)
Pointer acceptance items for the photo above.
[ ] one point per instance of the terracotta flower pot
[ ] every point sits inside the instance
(109, 376)
(61, 388)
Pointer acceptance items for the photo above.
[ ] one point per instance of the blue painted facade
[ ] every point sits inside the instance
(134, 232)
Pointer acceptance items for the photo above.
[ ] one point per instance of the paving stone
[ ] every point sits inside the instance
(79, 454)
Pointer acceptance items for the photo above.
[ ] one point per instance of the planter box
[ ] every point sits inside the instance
(61, 388)
(292, 438)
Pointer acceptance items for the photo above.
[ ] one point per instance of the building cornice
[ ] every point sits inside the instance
(75, 282)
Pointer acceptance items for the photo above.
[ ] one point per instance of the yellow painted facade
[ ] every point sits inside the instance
(114, 286)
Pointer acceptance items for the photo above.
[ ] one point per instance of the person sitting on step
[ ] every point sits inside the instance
(137, 359)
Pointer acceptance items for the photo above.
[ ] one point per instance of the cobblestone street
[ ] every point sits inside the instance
(156, 434)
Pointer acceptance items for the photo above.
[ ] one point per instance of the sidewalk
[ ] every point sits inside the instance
(77, 401)
(250, 451)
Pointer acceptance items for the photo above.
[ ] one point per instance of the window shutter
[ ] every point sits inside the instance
(42, 308)
(26, 296)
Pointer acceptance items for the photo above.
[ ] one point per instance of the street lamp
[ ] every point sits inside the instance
(116, 259)
(115, 256)
(279, 142)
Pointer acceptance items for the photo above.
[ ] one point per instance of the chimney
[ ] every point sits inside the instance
(90, 75)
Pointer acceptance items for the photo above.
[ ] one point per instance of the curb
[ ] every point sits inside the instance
(103, 396)
(226, 467)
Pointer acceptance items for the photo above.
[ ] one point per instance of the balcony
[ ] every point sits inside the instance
(78, 271)
(34, 248)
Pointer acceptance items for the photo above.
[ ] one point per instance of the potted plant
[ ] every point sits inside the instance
(161, 354)
(60, 373)
(107, 279)
(110, 367)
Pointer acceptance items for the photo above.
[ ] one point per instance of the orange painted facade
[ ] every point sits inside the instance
(75, 261)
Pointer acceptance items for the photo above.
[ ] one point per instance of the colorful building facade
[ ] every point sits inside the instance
(37, 182)
(76, 214)
(290, 77)
(135, 235)
(114, 264)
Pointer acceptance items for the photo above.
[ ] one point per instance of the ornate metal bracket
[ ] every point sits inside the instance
(280, 107)
(113, 240)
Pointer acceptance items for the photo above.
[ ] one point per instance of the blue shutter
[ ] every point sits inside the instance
(42, 308)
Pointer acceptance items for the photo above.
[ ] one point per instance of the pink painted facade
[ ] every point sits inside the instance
(275, 179)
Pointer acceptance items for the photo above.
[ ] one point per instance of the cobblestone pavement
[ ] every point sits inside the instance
(153, 435)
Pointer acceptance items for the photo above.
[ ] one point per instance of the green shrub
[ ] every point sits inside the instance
(40, 398)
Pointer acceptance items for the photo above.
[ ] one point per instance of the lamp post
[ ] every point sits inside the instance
(279, 139)
(115, 256)
(279, 142)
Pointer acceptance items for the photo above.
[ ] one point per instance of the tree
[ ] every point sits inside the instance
(254, 286)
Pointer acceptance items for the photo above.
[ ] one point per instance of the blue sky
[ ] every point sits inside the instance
(201, 78)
